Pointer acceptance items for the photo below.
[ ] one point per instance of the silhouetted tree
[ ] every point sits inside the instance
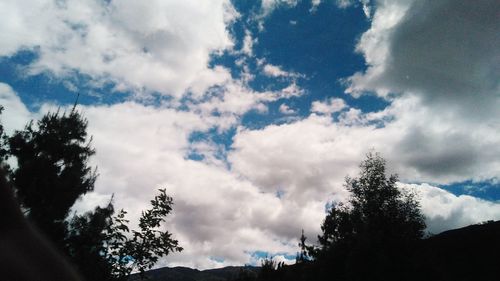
(101, 240)
(4, 152)
(372, 236)
(147, 245)
(302, 256)
(52, 169)
(86, 243)
(51, 174)
(268, 270)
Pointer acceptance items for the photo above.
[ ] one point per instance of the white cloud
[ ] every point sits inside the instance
(330, 106)
(162, 46)
(344, 3)
(308, 160)
(231, 213)
(419, 146)
(159, 46)
(248, 42)
(216, 213)
(435, 62)
(292, 90)
(285, 109)
(15, 115)
(223, 106)
(268, 6)
(314, 5)
(429, 133)
(444, 210)
(276, 71)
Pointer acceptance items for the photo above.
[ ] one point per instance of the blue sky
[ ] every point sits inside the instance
(252, 113)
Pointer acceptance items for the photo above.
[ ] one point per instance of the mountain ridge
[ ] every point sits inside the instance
(467, 253)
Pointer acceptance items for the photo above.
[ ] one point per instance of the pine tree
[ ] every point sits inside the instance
(52, 169)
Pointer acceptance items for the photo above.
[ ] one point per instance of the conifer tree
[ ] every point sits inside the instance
(52, 169)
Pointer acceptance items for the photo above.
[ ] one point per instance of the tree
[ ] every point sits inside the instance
(371, 237)
(100, 240)
(3, 141)
(142, 251)
(302, 256)
(51, 174)
(269, 269)
(52, 159)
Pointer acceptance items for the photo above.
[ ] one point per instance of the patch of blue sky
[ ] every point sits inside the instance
(223, 139)
(217, 259)
(34, 90)
(318, 46)
(258, 255)
(487, 190)
(280, 193)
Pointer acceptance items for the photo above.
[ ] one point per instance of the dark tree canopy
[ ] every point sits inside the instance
(3, 140)
(53, 169)
(52, 173)
(372, 235)
(106, 249)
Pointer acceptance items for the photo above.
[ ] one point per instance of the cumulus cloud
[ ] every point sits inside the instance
(248, 42)
(156, 47)
(277, 158)
(314, 5)
(444, 51)
(343, 4)
(217, 214)
(285, 109)
(332, 105)
(276, 71)
(162, 46)
(435, 62)
(419, 146)
(444, 210)
(440, 127)
(275, 187)
(227, 103)
(15, 115)
(268, 6)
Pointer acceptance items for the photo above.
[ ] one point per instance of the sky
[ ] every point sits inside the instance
(252, 113)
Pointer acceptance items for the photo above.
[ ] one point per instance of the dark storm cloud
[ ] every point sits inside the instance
(447, 51)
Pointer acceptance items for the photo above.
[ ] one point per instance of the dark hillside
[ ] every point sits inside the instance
(469, 253)
(189, 274)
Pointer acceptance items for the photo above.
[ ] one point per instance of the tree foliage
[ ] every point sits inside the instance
(52, 159)
(372, 235)
(302, 256)
(4, 152)
(53, 172)
(103, 240)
